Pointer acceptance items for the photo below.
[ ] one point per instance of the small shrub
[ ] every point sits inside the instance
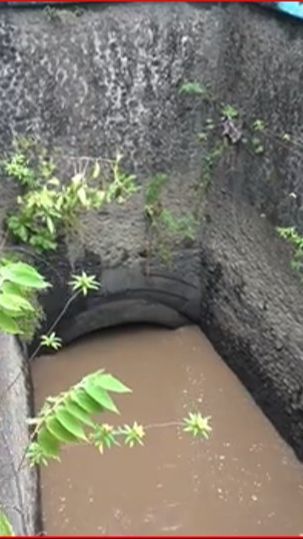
(50, 207)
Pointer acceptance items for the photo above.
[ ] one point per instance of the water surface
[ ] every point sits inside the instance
(244, 480)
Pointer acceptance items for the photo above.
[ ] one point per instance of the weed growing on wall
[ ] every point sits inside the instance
(50, 206)
(221, 130)
(166, 228)
(291, 235)
(225, 128)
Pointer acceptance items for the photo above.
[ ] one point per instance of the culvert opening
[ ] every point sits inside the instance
(243, 480)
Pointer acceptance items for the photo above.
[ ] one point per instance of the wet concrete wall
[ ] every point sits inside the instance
(106, 79)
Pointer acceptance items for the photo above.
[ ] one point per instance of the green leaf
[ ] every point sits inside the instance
(110, 383)
(101, 396)
(12, 288)
(54, 181)
(96, 171)
(70, 423)
(24, 275)
(82, 196)
(193, 88)
(13, 302)
(49, 444)
(78, 412)
(88, 404)
(50, 225)
(6, 529)
(8, 325)
(58, 431)
(230, 112)
(51, 341)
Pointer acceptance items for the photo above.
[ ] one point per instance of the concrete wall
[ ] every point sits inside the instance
(18, 494)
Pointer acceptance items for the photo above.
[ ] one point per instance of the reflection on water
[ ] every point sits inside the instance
(245, 480)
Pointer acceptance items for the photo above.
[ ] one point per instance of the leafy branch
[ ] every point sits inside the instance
(68, 419)
(63, 419)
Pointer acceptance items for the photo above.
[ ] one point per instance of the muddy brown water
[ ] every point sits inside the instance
(244, 480)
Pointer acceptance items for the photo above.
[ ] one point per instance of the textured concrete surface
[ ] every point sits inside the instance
(18, 494)
(107, 79)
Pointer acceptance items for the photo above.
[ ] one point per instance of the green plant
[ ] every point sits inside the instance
(30, 321)
(193, 88)
(210, 160)
(291, 235)
(229, 112)
(68, 418)
(122, 186)
(259, 125)
(51, 341)
(84, 283)
(197, 425)
(258, 146)
(17, 281)
(162, 222)
(63, 419)
(18, 168)
(153, 204)
(6, 529)
(183, 227)
(49, 207)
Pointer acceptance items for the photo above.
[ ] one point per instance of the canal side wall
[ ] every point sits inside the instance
(103, 79)
(18, 483)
